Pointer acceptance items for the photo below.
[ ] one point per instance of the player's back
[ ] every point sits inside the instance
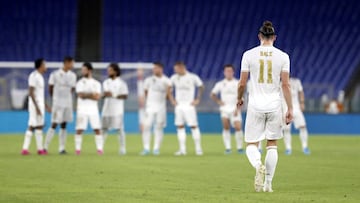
(265, 64)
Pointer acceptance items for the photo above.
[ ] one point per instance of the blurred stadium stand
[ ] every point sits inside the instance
(321, 37)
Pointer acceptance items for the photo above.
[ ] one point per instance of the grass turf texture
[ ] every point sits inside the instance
(329, 174)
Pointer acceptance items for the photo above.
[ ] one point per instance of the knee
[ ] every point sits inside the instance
(63, 125)
(271, 143)
(53, 125)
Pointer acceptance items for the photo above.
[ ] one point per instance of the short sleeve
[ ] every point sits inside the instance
(245, 66)
(51, 79)
(168, 82)
(124, 89)
(216, 89)
(198, 81)
(105, 86)
(79, 87)
(32, 80)
(98, 87)
(286, 64)
(73, 81)
(146, 84)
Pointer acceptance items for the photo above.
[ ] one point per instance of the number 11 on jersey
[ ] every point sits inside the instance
(269, 71)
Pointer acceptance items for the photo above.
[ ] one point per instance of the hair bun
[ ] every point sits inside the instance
(267, 24)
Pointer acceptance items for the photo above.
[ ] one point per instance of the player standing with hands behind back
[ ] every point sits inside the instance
(266, 65)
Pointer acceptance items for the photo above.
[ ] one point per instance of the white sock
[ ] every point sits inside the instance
(99, 142)
(271, 160)
(181, 134)
(146, 137)
(122, 139)
(239, 137)
(226, 138)
(197, 138)
(39, 139)
(49, 135)
(254, 156)
(158, 137)
(303, 137)
(78, 142)
(27, 139)
(62, 139)
(287, 139)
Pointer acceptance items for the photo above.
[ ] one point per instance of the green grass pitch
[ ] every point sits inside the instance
(329, 174)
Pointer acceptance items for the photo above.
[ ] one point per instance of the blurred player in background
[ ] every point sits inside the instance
(36, 108)
(230, 116)
(185, 84)
(115, 92)
(298, 102)
(267, 66)
(62, 84)
(88, 92)
(157, 89)
(141, 99)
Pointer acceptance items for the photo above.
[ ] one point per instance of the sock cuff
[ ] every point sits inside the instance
(225, 131)
(195, 129)
(271, 147)
(28, 132)
(181, 130)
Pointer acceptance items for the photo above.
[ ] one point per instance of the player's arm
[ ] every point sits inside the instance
(32, 96)
(241, 87)
(124, 93)
(214, 95)
(199, 95)
(287, 95)
(170, 97)
(93, 96)
(216, 99)
(122, 96)
(51, 90)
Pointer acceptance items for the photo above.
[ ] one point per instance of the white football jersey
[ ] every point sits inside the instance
(113, 106)
(157, 88)
(87, 106)
(228, 93)
(36, 80)
(63, 82)
(265, 64)
(185, 86)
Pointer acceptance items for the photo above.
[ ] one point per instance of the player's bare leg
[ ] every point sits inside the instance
(78, 141)
(181, 134)
(303, 134)
(226, 135)
(271, 160)
(254, 157)
(99, 141)
(239, 137)
(49, 136)
(195, 131)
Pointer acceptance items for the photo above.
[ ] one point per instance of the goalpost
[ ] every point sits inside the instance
(14, 75)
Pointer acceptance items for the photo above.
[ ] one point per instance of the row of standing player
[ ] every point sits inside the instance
(157, 89)
(268, 67)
